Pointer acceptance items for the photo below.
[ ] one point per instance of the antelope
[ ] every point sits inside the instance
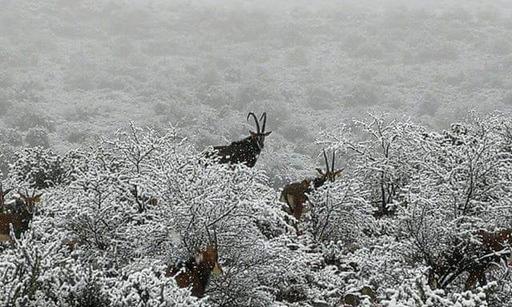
(295, 195)
(20, 219)
(246, 150)
(474, 257)
(196, 271)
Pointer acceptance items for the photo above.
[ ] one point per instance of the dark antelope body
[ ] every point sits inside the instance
(295, 194)
(195, 272)
(474, 257)
(247, 150)
(20, 219)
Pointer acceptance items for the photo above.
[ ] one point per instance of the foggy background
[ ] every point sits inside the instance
(71, 71)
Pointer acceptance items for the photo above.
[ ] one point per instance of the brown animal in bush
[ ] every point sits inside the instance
(474, 257)
(20, 219)
(295, 195)
(246, 150)
(195, 272)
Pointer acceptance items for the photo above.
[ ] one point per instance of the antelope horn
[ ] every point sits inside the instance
(326, 162)
(256, 120)
(264, 117)
(333, 158)
(208, 233)
(215, 237)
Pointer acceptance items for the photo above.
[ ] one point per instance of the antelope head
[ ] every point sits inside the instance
(259, 136)
(29, 202)
(195, 272)
(21, 216)
(330, 174)
(210, 255)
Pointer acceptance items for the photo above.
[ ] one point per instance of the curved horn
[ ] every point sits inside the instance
(208, 233)
(333, 158)
(215, 238)
(264, 117)
(326, 162)
(256, 120)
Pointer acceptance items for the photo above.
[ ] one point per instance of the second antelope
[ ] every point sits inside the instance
(195, 272)
(246, 150)
(295, 195)
(20, 218)
(474, 257)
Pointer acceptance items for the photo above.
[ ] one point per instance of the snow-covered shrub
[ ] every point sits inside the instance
(461, 185)
(116, 214)
(436, 190)
(339, 211)
(145, 288)
(106, 208)
(416, 292)
(38, 168)
(37, 271)
(379, 155)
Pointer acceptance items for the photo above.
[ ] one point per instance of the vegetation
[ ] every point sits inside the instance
(420, 215)
(380, 233)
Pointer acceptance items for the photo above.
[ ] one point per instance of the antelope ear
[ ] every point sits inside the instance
(37, 198)
(253, 134)
(217, 270)
(267, 133)
(199, 258)
(338, 172)
(320, 171)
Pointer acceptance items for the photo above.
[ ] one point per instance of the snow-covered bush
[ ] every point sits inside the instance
(417, 292)
(38, 168)
(339, 211)
(116, 214)
(37, 271)
(379, 156)
(461, 185)
(107, 212)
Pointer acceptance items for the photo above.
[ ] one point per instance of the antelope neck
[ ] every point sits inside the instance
(318, 182)
(254, 144)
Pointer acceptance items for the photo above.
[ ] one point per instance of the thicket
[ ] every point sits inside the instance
(407, 193)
